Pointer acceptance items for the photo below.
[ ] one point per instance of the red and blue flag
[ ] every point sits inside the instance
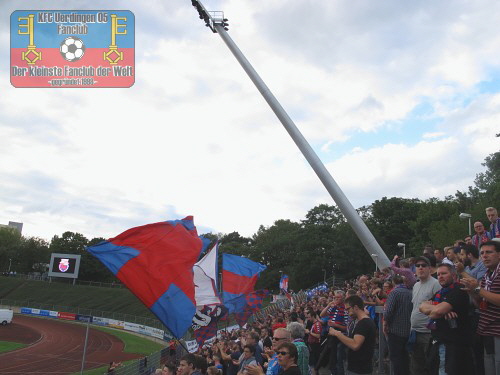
(284, 283)
(254, 302)
(155, 262)
(239, 276)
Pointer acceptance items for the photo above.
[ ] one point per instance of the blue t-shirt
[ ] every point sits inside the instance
(273, 367)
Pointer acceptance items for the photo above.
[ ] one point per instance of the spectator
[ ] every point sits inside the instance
(252, 339)
(201, 364)
(360, 341)
(423, 290)
(474, 267)
(187, 365)
(404, 270)
(247, 358)
(439, 254)
(273, 367)
(487, 296)
(451, 257)
(428, 249)
(433, 268)
(287, 358)
(279, 324)
(468, 240)
(265, 339)
(297, 333)
(212, 370)
(313, 339)
(397, 325)
(337, 319)
(492, 215)
(169, 370)
(481, 235)
(455, 333)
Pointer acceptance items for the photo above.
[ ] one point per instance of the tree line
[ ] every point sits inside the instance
(322, 244)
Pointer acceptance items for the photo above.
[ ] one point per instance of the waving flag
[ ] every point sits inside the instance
(253, 304)
(155, 262)
(209, 308)
(205, 279)
(239, 276)
(284, 283)
(205, 322)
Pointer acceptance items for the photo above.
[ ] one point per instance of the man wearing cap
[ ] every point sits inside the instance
(423, 290)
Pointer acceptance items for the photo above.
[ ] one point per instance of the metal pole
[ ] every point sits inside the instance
(85, 346)
(381, 340)
(470, 230)
(359, 227)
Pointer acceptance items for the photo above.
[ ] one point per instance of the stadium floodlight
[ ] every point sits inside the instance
(217, 23)
(464, 216)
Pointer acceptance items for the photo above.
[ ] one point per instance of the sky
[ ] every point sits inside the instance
(397, 98)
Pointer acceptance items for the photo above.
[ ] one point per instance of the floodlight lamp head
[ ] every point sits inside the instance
(464, 215)
(401, 244)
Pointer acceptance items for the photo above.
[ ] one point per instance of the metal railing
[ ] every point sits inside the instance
(47, 279)
(151, 322)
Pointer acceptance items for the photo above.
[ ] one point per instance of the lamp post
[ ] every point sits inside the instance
(10, 263)
(404, 249)
(218, 24)
(375, 256)
(464, 216)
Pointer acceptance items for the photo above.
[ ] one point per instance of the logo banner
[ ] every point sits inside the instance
(72, 48)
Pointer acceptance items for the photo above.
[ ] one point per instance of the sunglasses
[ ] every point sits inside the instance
(282, 353)
(420, 265)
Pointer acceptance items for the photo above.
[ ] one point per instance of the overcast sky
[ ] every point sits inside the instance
(398, 98)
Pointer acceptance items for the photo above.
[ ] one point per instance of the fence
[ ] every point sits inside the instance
(47, 279)
(154, 323)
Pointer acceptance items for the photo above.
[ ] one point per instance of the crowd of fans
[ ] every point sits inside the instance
(441, 315)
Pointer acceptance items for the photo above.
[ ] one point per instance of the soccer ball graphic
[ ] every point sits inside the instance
(72, 48)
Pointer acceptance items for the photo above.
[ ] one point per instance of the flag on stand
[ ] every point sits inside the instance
(239, 276)
(155, 262)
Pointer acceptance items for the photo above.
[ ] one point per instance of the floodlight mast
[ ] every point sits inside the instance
(218, 24)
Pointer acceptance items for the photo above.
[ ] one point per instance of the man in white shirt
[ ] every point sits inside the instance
(423, 290)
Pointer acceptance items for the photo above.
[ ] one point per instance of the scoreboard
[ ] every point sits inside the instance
(64, 265)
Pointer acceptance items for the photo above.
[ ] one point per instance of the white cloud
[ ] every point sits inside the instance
(193, 135)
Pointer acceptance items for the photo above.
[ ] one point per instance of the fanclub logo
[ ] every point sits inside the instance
(64, 265)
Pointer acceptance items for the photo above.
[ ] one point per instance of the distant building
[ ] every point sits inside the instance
(13, 225)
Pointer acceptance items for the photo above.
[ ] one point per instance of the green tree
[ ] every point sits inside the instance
(10, 245)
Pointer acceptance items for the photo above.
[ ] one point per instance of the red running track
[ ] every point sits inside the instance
(56, 347)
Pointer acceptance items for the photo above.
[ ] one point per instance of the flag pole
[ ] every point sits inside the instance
(218, 24)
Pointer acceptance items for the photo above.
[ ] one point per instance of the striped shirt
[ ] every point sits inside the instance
(489, 318)
(337, 314)
(397, 311)
(495, 229)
